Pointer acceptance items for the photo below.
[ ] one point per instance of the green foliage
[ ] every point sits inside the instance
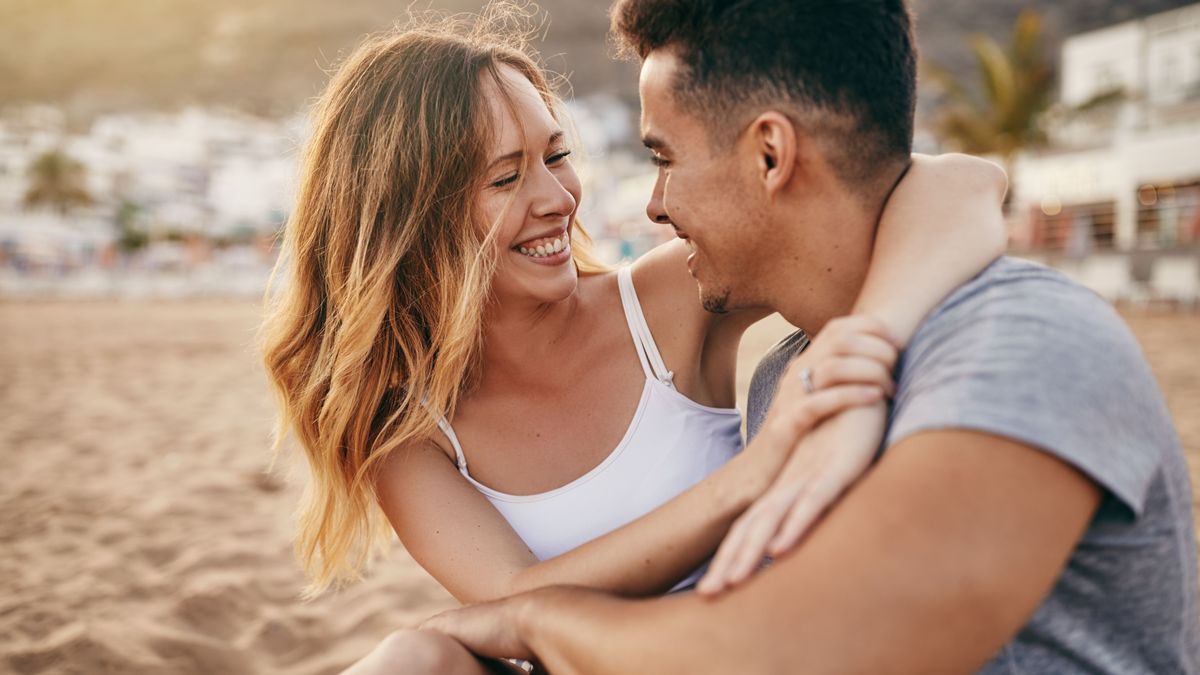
(131, 239)
(127, 213)
(1016, 86)
(56, 181)
(130, 236)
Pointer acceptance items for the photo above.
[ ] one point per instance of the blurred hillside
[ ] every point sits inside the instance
(269, 56)
(265, 57)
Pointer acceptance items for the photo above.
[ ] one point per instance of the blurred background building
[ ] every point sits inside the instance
(1115, 196)
(154, 153)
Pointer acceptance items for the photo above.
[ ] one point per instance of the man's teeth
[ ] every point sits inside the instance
(546, 249)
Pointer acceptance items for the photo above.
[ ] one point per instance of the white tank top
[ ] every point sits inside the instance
(671, 444)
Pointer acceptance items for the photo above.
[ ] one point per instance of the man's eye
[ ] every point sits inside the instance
(660, 162)
(507, 180)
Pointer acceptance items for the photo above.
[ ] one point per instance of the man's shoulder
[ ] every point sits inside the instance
(1019, 282)
(1032, 321)
(1016, 304)
(1025, 353)
(765, 380)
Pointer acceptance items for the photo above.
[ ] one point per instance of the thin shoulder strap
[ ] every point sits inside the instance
(461, 459)
(652, 362)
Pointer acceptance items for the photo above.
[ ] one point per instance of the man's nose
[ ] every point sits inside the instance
(655, 208)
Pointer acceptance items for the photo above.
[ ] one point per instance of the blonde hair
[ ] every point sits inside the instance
(377, 328)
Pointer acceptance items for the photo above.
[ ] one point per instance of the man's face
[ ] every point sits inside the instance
(706, 194)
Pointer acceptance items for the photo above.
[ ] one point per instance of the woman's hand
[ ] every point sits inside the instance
(851, 354)
(849, 365)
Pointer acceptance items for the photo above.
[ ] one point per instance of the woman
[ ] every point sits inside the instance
(446, 349)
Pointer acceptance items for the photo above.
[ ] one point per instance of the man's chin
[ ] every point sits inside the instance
(715, 301)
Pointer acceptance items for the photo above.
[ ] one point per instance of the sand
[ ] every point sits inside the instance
(141, 533)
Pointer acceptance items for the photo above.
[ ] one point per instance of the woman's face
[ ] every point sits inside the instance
(529, 193)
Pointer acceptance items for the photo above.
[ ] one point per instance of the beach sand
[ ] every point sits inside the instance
(141, 532)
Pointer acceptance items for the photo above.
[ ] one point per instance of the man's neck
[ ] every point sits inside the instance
(824, 268)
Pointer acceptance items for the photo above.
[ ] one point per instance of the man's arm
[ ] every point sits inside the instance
(928, 565)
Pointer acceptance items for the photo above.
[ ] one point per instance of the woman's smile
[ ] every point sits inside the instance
(552, 250)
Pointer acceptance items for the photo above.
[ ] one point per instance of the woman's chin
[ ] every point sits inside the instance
(560, 289)
(539, 288)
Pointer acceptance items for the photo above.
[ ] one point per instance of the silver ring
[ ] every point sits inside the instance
(807, 380)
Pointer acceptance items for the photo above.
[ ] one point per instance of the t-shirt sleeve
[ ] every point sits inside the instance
(1045, 363)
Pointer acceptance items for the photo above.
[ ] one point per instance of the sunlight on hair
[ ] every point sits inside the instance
(374, 326)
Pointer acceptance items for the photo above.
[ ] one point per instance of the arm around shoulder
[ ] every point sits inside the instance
(941, 226)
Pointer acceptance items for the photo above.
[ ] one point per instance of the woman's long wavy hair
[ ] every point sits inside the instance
(375, 326)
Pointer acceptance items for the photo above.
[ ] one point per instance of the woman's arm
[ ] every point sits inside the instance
(467, 545)
(941, 226)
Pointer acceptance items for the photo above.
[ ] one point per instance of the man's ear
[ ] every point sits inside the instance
(775, 142)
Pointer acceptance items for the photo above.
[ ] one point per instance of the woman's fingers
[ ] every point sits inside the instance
(803, 514)
(853, 370)
(834, 464)
(713, 581)
(813, 477)
(743, 549)
(868, 346)
(860, 324)
(799, 415)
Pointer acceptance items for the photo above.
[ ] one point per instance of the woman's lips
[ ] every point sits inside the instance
(557, 253)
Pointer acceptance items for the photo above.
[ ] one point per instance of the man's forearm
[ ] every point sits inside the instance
(574, 630)
(932, 563)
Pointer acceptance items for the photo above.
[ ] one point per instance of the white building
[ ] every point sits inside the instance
(197, 171)
(1124, 172)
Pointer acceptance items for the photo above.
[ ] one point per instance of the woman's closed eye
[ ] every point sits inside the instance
(558, 158)
(507, 180)
(552, 161)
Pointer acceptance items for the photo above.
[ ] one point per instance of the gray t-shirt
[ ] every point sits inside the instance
(1023, 352)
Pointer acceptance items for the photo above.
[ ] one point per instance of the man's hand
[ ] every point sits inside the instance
(826, 461)
(490, 629)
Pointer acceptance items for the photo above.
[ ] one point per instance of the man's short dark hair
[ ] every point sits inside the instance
(845, 70)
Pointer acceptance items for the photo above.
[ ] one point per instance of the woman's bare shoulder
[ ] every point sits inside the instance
(664, 284)
(436, 446)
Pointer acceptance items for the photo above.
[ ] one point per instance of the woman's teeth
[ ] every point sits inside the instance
(546, 248)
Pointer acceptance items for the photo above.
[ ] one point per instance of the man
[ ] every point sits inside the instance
(1030, 511)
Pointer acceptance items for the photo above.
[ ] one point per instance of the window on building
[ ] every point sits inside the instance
(1168, 215)
(1074, 229)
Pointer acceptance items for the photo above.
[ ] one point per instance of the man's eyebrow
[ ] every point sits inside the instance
(654, 142)
(516, 154)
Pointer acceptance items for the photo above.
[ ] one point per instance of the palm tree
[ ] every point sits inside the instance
(57, 181)
(1016, 85)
